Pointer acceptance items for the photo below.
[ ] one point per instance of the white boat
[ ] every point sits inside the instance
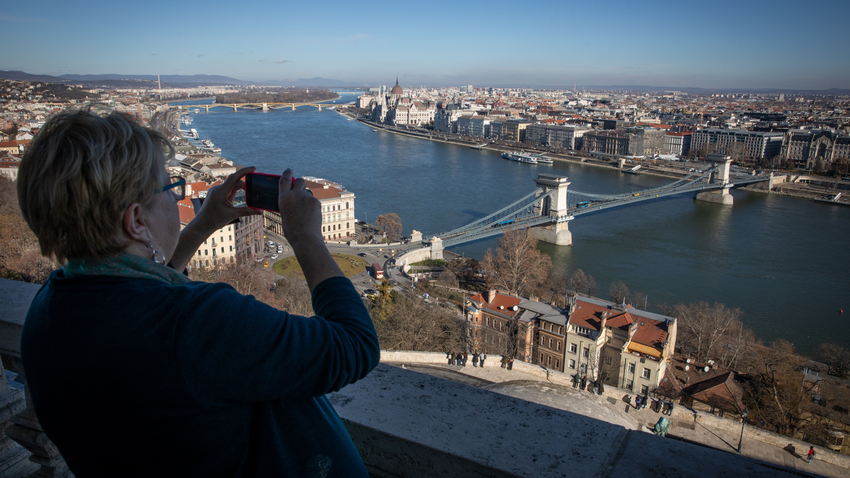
(520, 157)
(543, 159)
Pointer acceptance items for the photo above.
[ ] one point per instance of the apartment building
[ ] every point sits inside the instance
(805, 147)
(747, 145)
(568, 137)
(515, 130)
(677, 143)
(590, 338)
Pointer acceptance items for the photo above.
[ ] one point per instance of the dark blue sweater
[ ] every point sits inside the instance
(141, 378)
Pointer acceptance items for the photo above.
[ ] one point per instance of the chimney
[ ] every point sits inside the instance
(491, 295)
(604, 321)
(571, 302)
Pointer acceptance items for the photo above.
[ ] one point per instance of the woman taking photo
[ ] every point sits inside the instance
(134, 370)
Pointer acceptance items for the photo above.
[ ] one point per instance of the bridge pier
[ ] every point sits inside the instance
(721, 196)
(293, 106)
(265, 106)
(622, 162)
(721, 176)
(555, 206)
(436, 248)
(234, 108)
(206, 109)
(320, 108)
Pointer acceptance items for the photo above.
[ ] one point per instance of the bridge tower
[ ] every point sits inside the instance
(719, 176)
(555, 206)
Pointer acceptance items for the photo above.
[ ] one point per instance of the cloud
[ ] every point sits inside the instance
(281, 61)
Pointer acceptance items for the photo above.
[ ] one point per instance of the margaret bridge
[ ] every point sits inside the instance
(258, 106)
(551, 206)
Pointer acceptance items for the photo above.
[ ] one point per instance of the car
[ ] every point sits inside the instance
(362, 254)
(259, 259)
(370, 292)
(274, 256)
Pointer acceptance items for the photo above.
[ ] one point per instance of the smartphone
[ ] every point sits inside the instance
(261, 191)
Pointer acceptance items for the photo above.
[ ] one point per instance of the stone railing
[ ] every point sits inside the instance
(407, 424)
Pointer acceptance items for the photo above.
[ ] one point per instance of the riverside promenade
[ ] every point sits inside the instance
(525, 382)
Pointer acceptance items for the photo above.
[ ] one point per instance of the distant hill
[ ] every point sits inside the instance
(116, 80)
(172, 80)
(704, 91)
(316, 81)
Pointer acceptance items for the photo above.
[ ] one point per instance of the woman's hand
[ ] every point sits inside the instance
(301, 218)
(218, 209)
(300, 212)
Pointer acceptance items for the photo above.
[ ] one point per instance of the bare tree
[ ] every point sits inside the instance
(702, 326)
(582, 283)
(777, 392)
(389, 224)
(836, 358)
(618, 292)
(447, 278)
(517, 266)
(415, 325)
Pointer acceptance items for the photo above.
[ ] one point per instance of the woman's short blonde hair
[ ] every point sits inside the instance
(78, 176)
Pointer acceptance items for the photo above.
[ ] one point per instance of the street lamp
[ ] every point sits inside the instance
(743, 422)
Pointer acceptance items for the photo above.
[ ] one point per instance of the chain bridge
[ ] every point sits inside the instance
(551, 206)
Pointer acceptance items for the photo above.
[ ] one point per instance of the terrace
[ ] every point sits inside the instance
(408, 424)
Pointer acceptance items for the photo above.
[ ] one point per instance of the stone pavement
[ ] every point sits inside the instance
(616, 411)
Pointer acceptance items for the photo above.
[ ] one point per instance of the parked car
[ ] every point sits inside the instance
(274, 256)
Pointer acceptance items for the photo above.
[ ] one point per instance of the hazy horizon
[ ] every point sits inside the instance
(723, 45)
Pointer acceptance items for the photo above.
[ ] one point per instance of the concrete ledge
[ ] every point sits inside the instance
(408, 424)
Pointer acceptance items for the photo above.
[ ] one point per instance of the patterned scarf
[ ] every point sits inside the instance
(125, 265)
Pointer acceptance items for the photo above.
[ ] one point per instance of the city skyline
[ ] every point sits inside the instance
(556, 44)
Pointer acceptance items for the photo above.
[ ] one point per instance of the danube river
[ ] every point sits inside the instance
(782, 260)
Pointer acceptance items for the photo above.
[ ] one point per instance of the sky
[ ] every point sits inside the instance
(720, 44)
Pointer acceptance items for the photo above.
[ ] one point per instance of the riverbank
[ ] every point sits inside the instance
(791, 189)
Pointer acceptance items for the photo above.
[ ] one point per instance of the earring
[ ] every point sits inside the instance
(154, 252)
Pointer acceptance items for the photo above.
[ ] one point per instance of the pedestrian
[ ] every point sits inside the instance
(811, 453)
(483, 357)
(463, 362)
(670, 408)
(450, 357)
(510, 364)
(475, 360)
(595, 388)
(458, 358)
(504, 361)
(637, 402)
(584, 383)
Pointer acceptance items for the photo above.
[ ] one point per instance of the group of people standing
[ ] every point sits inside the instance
(662, 406)
(461, 358)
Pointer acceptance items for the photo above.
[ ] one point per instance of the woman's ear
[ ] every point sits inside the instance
(135, 224)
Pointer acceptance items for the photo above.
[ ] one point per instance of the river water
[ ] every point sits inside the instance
(781, 260)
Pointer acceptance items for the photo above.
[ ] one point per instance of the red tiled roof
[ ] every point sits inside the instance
(187, 211)
(501, 303)
(651, 332)
(720, 392)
